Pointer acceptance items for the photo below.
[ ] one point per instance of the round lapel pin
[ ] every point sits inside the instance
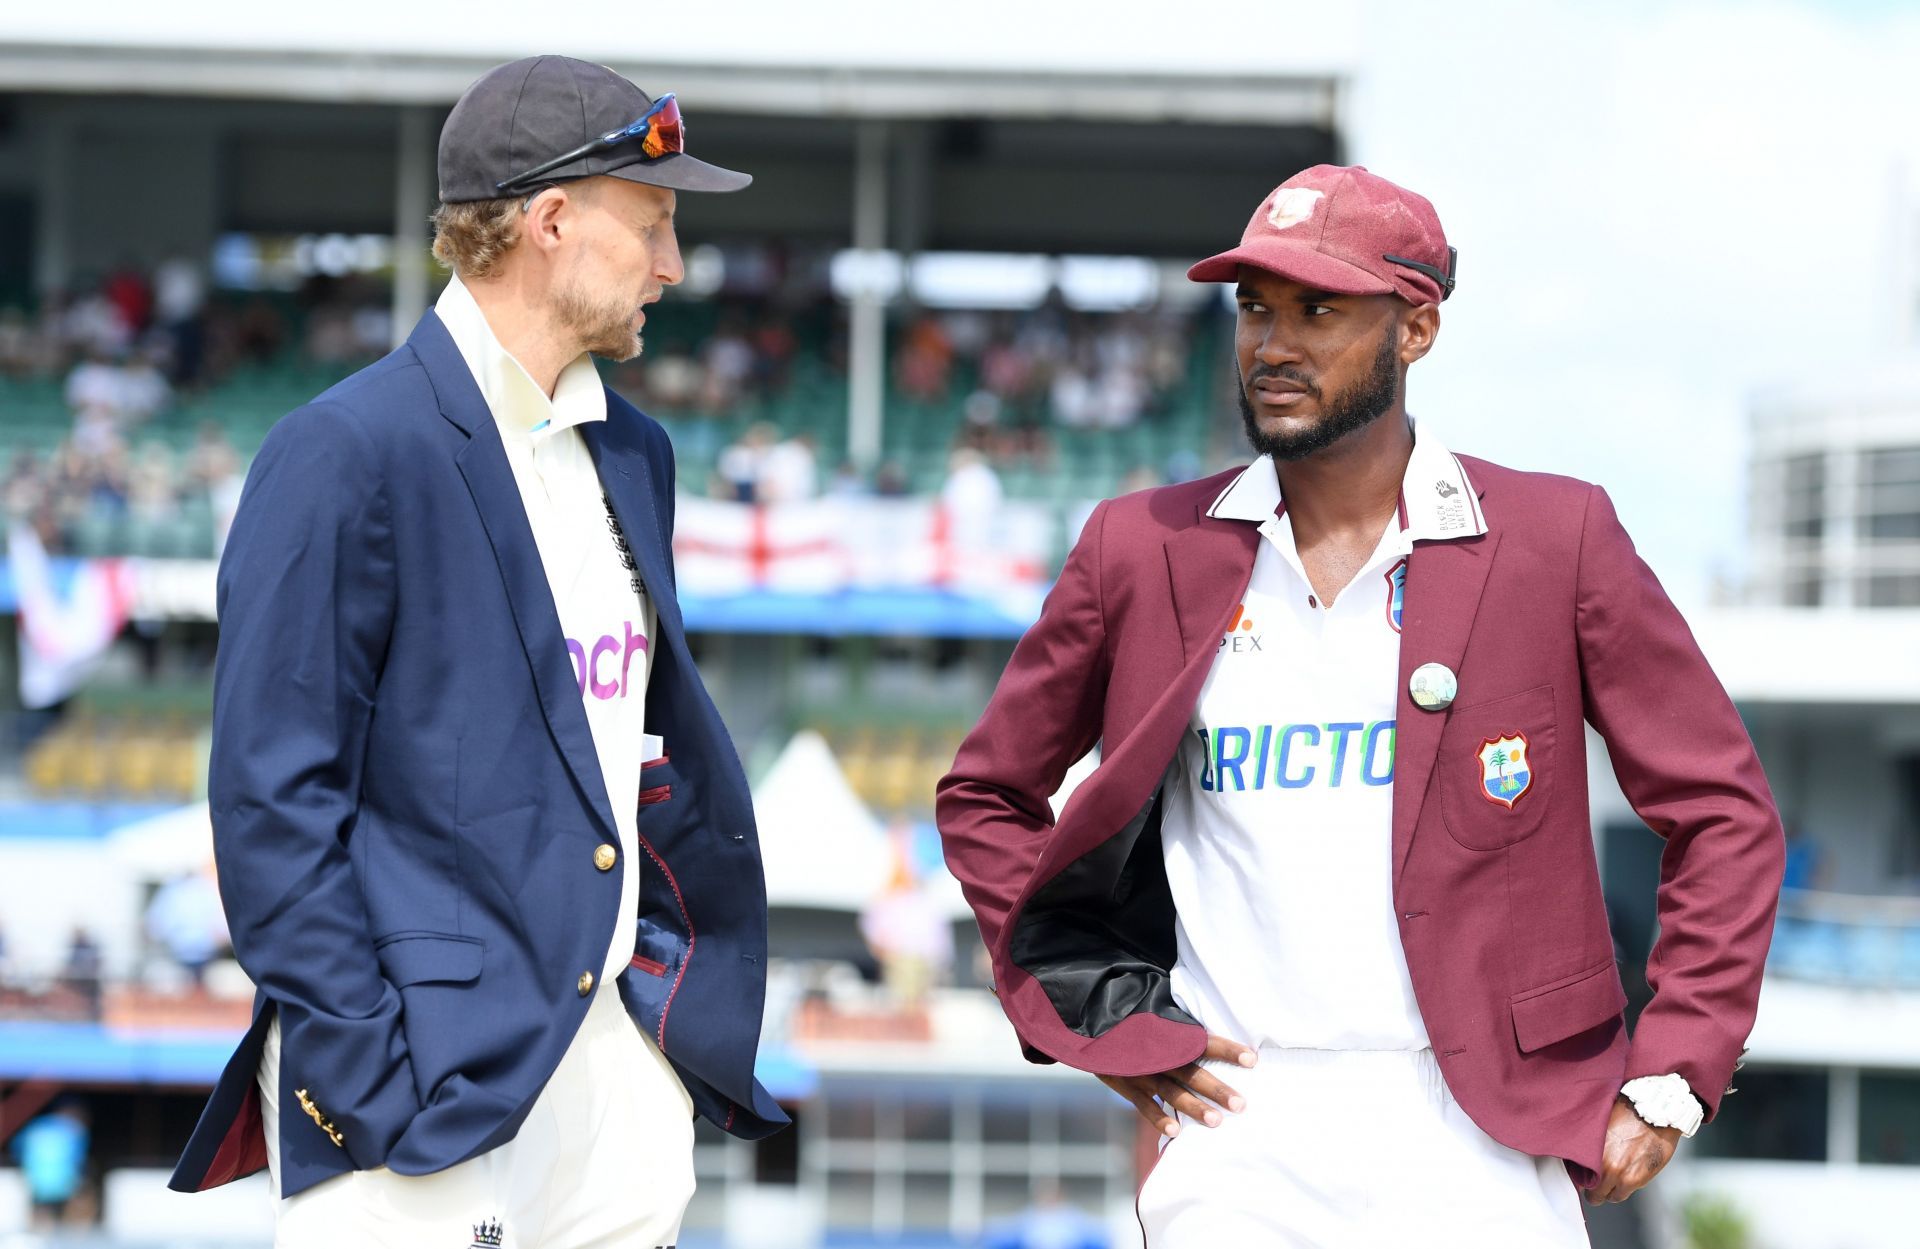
(1433, 687)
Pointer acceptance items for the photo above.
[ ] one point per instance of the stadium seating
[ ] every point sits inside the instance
(919, 434)
(133, 742)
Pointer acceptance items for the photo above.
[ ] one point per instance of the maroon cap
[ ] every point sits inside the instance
(1339, 228)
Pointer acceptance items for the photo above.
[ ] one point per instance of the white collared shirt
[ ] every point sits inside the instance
(1278, 828)
(604, 609)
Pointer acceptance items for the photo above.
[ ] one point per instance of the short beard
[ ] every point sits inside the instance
(1351, 411)
(604, 328)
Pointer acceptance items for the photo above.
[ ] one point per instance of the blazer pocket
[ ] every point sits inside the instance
(656, 780)
(417, 957)
(1567, 1008)
(1496, 764)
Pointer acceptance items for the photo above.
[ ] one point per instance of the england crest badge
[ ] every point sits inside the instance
(1505, 773)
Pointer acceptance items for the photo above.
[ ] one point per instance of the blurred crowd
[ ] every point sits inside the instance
(147, 333)
(128, 350)
(748, 356)
(124, 353)
(96, 477)
(1019, 373)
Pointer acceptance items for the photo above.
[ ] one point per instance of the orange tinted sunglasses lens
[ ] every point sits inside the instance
(664, 131)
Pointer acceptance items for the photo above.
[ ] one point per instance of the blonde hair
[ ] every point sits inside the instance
(470, 238)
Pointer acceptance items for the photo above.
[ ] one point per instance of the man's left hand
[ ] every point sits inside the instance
(1635, 1152)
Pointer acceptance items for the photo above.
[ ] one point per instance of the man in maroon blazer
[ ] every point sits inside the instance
(1337, 846)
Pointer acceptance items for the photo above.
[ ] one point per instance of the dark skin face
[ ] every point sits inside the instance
(1323, 381)
(1307, 356)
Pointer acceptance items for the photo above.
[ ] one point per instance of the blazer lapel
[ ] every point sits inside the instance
(625, 475)
(1444, 581)
(1208, 565)
(496, 495)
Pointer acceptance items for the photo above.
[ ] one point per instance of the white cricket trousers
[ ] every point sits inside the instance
(1351, 1149)
(604, 1159)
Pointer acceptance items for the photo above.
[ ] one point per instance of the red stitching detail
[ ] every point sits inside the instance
(652, 967)
(687, 919)
(728, 1125)
(659, 793)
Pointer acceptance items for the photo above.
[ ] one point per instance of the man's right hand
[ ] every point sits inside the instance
(1192, 1090)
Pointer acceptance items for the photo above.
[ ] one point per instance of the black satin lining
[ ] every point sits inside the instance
(1098, 937)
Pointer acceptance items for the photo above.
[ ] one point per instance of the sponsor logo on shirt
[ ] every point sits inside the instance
(1240, 758)
(1240, 639)
(602, 669)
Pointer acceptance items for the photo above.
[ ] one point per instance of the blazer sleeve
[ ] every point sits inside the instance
(306, 602)
(1685, 762)
(993, 808)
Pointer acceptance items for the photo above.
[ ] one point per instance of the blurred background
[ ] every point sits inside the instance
(948, 318)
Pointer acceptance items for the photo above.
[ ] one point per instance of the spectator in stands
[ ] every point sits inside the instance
(972, 496)
(214, 469)
(152, 486)
(774, 346)
(52, 1153)
(728, 358)
(131, 295)
(185, 917)
(92, 323)
(24, 486)
(1073, 396)
(94, 384)
(741, 464)
(906, 929)
(925, 363)
(673, 380)
(179, 296)
(791, 471)
(83, 969)
(23, 350)
(890, 481)
(847, 482)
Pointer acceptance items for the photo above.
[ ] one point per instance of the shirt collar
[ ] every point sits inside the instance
(518, 404)
(1437, 499)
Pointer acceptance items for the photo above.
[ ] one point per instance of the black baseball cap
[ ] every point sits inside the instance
(528, 111)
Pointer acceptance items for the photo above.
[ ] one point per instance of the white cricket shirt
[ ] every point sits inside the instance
(604, 609)
(1278, 820)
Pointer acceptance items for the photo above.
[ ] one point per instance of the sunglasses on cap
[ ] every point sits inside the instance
(659, 130)
(1444, 278)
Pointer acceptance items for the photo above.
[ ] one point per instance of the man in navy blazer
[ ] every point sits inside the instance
(427, 829)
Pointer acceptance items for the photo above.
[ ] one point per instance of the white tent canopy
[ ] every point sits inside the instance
(166, 845)
(820, 845)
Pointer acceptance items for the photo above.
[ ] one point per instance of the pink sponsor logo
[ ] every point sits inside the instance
(594, 668)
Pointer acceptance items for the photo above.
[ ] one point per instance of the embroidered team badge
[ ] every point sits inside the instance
(1396, 593)
(1505, 773)
(1292, 205)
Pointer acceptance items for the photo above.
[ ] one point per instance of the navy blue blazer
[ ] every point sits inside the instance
(407, 804)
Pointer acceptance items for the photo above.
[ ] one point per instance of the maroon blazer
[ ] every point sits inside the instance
(1550, 621)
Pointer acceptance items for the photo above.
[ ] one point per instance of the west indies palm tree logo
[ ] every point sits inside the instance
(1504, 771)
(1396, 594)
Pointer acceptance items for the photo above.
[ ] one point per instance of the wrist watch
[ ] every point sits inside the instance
(1665, 1102)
